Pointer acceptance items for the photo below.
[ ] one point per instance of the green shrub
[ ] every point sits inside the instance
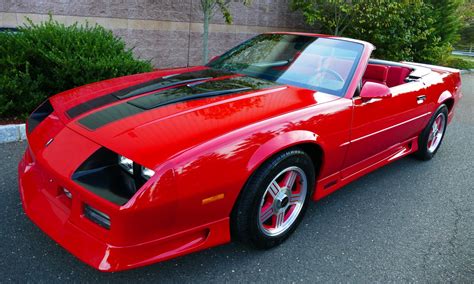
(459, 63)
(44, 59)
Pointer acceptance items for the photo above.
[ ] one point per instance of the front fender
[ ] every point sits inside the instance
(278, 143)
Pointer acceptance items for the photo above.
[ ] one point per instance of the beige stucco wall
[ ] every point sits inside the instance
(166, 32)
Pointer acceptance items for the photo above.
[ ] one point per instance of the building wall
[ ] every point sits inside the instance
(167, 32)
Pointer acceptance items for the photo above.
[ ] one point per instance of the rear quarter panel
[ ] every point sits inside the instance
(443, 86)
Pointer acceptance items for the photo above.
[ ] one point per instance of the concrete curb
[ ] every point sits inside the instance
(12, 133)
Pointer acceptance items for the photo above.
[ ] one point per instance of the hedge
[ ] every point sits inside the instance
(44, 59)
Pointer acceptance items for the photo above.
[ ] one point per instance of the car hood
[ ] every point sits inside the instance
(151, 117)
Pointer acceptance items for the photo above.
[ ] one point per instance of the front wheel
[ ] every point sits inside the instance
(274, 200)
(432, 136)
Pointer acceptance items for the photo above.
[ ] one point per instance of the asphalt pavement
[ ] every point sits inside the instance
(409, 221)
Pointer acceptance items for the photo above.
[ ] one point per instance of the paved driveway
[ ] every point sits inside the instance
(409, 221)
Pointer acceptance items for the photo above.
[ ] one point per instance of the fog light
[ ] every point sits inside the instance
(67, 193)
(97, 217)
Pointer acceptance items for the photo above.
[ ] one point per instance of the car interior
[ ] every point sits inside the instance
(389, 75)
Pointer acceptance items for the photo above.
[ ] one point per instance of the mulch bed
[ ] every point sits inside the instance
(11, 120)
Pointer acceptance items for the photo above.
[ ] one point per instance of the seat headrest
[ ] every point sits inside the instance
(397, 75)
(377, 73)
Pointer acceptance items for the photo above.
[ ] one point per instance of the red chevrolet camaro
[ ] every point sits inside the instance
(139, 169)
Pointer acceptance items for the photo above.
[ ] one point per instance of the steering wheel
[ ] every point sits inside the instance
(330, 71)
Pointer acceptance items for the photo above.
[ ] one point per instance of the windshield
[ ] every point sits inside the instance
(319, 64)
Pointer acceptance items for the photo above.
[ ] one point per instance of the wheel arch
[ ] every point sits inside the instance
(446, 98)
(307, 141)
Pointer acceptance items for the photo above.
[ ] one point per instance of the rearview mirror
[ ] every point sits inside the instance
(372, 90)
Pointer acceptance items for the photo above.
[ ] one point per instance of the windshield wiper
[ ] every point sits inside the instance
(271, 64)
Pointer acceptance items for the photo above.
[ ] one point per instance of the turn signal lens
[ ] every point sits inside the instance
(126, 164)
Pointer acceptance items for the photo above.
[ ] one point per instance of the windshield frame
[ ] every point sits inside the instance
(349, 87)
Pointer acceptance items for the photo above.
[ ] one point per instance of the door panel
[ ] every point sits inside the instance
(379, 124)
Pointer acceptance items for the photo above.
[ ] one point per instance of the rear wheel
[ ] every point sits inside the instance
(432, 136)
(274, 200)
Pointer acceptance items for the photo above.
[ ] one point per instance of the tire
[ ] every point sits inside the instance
(431, 137)
(267, 212)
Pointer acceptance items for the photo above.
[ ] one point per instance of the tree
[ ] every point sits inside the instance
(209, 7)
(467, 30)
(333, 16)
(448, 21)
(401, 30)
(394, 27)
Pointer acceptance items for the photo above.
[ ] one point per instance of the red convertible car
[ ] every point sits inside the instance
(140, 169)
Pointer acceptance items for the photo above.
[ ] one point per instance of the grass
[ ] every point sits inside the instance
(465, 57)
(460, 62)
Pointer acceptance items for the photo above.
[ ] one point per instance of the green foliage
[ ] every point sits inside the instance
(447, 20)
(398, 33)
(333, 16)
(459, 63)
(412, 30)
(466, 41)
(48, 58)
(209, 7)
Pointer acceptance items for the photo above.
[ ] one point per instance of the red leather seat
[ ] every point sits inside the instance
(397, 75)
(376, 73)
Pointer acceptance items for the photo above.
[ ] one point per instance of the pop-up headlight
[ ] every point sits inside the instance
(126, 164)
(147, 173)
(111, 176)
(129, 166)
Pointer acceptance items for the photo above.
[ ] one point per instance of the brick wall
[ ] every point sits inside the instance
(168, 32)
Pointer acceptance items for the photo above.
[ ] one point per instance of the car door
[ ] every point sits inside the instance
(380, 126)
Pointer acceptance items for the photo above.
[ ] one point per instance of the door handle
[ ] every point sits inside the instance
(420, 99)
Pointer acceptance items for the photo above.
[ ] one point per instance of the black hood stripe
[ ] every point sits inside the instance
(180, 94)
(190, 97)
(161, 85)
(149, 86)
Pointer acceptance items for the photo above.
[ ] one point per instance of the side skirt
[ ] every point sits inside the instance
(328, 185)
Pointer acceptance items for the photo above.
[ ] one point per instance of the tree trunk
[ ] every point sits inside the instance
(205, 37)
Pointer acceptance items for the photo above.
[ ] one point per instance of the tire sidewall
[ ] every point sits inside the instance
(423, 152)
(260, 182)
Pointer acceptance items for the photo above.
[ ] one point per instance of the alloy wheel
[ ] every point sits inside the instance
(282, 201)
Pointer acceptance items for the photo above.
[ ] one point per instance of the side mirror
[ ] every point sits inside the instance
(372, 90)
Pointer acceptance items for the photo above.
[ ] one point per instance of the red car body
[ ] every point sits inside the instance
(203, 152)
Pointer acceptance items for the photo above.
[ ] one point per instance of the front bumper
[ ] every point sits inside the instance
(63, 220)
